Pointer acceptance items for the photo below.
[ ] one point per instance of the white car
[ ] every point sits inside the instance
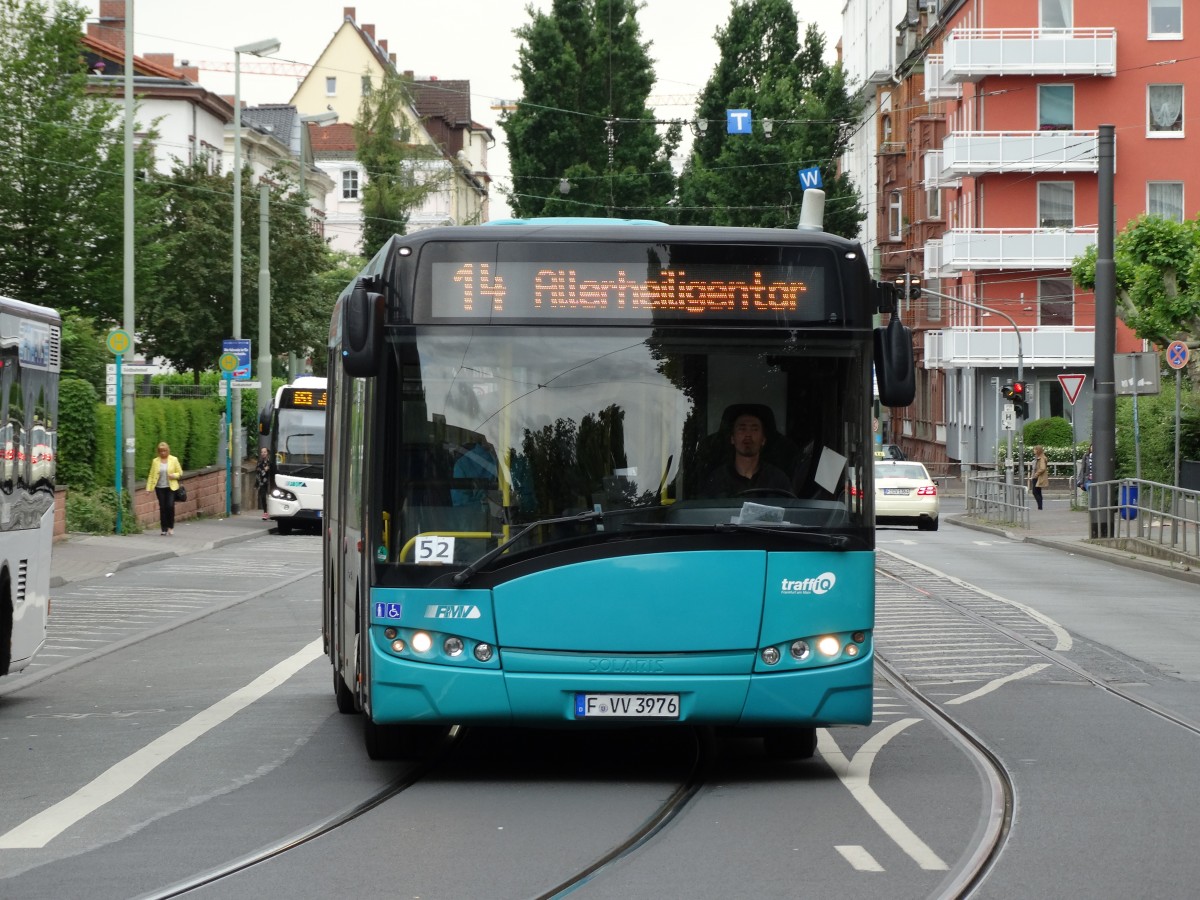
(905, 494)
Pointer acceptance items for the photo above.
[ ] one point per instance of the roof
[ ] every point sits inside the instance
(330, 139)
(446, 100)
(276, 119)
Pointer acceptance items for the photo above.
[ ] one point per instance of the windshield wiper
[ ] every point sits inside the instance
(806, 535)
(591, 515)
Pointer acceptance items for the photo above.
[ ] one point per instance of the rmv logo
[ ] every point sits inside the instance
(817, 585)
(452, 611)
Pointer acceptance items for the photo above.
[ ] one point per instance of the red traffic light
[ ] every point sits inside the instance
(1018, 389)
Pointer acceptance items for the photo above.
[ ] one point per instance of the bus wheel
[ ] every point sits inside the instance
(790, 743)
(284, 526)
(345, 696)
(401, 741)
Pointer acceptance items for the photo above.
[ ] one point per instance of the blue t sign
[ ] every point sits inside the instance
(737, 121)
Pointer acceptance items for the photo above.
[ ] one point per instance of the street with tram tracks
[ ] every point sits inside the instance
(1034, 735)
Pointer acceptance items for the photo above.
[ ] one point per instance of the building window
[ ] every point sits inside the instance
(1165, 199)
(1166, 110)
(1056, 204)
(933, 204)
(1056, 107)
(331, 86)
(350, 184)
(1058, 13)
(366, 85)
(1056, 302)
(1166, 18)
(895, 216)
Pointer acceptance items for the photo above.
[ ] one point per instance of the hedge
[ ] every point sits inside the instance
(191, 427)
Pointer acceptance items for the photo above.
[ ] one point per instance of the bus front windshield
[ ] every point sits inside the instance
(300, 442)
(491, 429)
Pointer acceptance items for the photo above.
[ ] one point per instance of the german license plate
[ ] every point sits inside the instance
(895, 490)
(627, 706)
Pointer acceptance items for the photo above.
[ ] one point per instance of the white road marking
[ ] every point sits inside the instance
(855, 774)
(999, 682)
(858, 857)
(36, 832)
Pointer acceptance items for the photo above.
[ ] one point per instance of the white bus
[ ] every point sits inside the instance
(294, 425)
(30, 362)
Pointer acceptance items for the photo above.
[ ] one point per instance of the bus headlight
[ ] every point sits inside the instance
(280, 494)
(770, 655)
(829, 646)
(452, 646)
(421, 642)
(483, 652)
(800, 651)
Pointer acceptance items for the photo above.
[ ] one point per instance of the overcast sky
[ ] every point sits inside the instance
(465, 39)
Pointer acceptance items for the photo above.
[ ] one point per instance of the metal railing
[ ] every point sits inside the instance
(1145, 516)
(990, 498)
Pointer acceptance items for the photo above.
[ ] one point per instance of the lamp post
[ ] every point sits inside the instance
(258, 48)
(1020, 360)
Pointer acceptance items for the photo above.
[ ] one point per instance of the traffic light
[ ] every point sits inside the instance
(1020, 402)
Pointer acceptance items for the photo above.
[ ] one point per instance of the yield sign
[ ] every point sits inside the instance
(1071, 385)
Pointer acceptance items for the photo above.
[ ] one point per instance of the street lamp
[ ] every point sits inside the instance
(258, 48)
(1020, 363)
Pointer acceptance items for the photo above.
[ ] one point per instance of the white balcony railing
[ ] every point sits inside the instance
(982, 152)
(975, 53)
(936, 85)
(996, 347)
(935, 175)
(1014, 248)
(932, 267)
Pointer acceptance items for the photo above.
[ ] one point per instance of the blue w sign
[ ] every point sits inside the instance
(810, 178)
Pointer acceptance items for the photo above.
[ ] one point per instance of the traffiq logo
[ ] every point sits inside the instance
(816, 585)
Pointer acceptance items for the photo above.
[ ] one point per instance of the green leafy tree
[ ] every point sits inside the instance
(61, 197)
(84, 353)
(399, 173)
(582, 141)
(186, 320)
(751, 179)
(1157, 264)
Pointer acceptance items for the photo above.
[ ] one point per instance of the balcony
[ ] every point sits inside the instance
(975, 53)
(935, 175)
(1012, 248)
(982, 152)
(996, 347)
(936, 85)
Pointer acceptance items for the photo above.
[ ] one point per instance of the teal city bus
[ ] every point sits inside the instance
(540, 510)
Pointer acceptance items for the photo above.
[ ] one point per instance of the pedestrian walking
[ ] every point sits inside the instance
(262, 478)
(1041, 474)
(163, 479)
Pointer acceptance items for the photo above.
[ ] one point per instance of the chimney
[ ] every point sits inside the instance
(111, 27)
(369, 31)
(382, 45)
(348, 13)
(392, 58)
(166, 60)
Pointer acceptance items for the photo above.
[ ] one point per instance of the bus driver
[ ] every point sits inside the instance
(747, 470)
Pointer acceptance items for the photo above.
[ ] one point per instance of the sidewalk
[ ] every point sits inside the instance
(81, 556)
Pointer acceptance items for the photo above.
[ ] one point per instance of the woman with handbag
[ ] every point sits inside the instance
(1041, 474)
(163, 479)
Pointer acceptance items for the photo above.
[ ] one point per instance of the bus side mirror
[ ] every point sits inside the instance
(894, 368)
(362, 332)
(264, 419)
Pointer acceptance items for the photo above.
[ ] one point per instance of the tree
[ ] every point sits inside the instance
(187, 318)
(399, 173)
(751, 179)
(1157, 264)
(582, 123)
(61, 150)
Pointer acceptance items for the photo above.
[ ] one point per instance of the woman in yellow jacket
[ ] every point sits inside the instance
(163, 479)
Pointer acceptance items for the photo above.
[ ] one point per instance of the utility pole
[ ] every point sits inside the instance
(1104, 393)
(126, 399)
(265, 394)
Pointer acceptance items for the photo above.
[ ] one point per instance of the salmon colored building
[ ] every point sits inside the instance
(987, 190)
